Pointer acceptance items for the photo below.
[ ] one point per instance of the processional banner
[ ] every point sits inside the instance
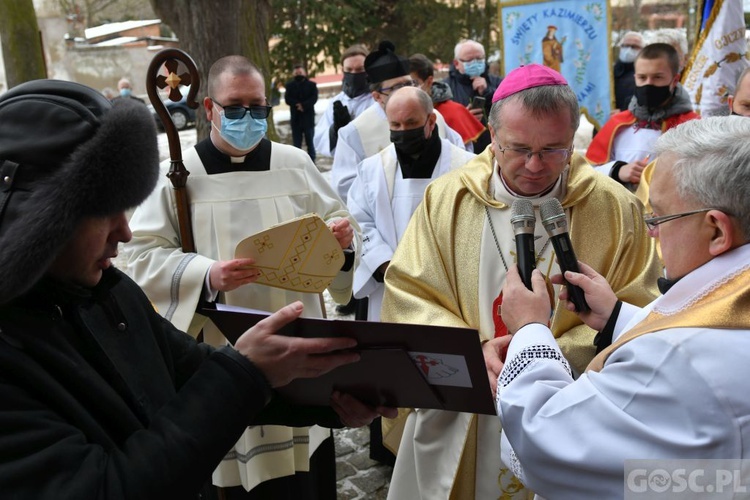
(570, 36)
(719, 56)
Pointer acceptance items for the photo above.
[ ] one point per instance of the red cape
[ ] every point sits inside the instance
(600, 149)
(461, 120)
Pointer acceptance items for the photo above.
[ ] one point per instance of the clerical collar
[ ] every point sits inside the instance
(664, 284)
(422, 166)
(500, 191)
(217, 162)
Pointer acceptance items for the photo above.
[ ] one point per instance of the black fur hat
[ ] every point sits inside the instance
(65, 153)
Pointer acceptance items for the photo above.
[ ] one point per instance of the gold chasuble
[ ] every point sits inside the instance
(434, 279)
(726, 306)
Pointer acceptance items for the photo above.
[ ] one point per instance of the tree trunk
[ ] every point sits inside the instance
(208, 32)
(490, 20)
(22, 42)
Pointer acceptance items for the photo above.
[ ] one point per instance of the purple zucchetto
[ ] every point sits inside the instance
(526, 77)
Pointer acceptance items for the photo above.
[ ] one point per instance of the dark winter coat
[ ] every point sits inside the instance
(624, 74)
(305, 93)
(102, 398)
(463, 92)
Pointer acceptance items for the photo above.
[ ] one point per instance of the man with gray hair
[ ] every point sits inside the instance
(451, 264)
(677, 39)
(624, 69)
(125, 91)
(471, 84)
(674, 381)
(468, 76)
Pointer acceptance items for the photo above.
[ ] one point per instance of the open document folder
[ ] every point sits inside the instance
(401, 365)
(301, 254)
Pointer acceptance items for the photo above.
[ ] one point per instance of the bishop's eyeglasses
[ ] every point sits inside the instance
(549, 156)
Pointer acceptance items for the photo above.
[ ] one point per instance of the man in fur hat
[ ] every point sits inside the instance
(103, 398)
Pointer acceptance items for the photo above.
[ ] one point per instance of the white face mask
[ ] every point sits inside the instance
(628, 54)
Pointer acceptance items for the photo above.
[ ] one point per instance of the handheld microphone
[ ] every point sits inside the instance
(523, 220)
(556, 224)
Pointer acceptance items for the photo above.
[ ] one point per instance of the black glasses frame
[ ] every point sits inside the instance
(467, 61)
(387, 90)
(238, 112)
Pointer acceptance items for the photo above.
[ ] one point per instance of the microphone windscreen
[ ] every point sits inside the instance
(553, 216)
(521, 209)
(550, 209)
(522, 217)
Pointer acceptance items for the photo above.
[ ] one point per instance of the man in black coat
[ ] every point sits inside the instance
(102, 397)
(624, 69)
(301, 95)
(472, 85)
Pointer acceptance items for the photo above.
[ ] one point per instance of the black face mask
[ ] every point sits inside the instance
(299, 78)
(354, 84)
(652, 96)
(409, 142)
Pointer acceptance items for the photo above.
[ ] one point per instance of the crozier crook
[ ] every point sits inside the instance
(178, 174)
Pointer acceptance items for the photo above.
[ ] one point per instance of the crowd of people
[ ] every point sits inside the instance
(115, 385)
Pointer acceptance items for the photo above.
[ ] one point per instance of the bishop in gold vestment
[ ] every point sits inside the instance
(450, 267)
(435, 277)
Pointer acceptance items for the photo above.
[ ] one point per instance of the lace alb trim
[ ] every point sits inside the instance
(515, 466)
(526, 358)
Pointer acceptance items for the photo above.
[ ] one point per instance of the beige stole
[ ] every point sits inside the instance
(373, 131)
(726, 306)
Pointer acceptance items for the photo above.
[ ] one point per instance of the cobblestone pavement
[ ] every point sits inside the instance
(357, 476)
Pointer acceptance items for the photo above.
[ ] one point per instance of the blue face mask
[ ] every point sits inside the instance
(125, 92)
(242, 133)
(474, 68)
(628, 54)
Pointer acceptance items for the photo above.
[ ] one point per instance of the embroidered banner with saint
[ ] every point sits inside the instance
(569, 36)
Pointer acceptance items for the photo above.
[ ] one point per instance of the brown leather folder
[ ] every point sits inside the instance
(401, 365)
